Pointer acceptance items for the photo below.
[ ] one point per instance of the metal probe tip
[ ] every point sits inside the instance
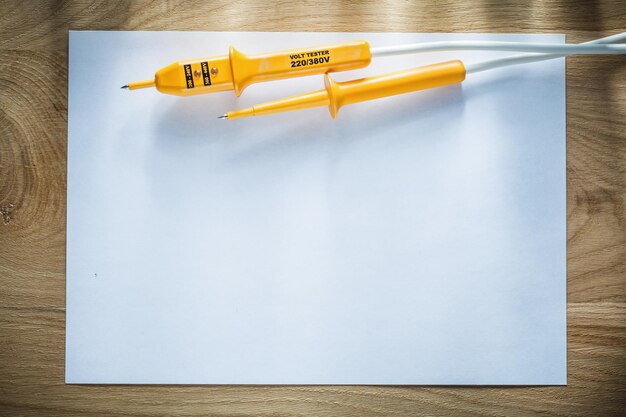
(224, 116)
(124, 86)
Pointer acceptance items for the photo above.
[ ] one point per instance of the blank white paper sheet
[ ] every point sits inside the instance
(417, 239)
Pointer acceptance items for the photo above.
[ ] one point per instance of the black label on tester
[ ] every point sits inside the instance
(189, 76)
(205, 73)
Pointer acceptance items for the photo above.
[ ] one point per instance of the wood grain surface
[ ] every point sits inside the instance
(33, 138)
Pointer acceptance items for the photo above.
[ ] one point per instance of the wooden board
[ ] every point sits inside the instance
(33, 151)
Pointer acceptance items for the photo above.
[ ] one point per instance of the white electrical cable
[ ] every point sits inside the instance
(540, 51)
(551, 48)
(524, 59)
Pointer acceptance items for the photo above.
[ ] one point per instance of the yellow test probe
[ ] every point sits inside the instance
(338, 94)
(237, 70)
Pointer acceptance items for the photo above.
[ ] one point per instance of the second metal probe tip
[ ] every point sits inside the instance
(124, 86)
(224, 116)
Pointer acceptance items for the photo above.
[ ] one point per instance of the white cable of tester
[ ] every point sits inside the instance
(525, 59)
(551, 48)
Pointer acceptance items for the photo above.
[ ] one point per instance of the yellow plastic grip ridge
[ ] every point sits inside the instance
(248, 69)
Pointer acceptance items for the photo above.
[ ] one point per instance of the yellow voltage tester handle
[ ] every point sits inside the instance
(236, 70)
(338, 94)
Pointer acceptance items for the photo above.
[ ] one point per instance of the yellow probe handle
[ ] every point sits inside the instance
(236, 70)
(297, 63)
(407, 81)
(338, 94)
